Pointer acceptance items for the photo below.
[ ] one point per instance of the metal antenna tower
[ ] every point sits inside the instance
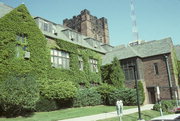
(134, 23)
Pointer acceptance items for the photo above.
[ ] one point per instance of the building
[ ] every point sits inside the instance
(90, 26)
(155, 66)
(60, 52)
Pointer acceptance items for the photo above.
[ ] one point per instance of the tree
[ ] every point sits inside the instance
(117, 76)
(18, 92)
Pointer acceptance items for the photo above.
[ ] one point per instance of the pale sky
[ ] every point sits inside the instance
(156, 19)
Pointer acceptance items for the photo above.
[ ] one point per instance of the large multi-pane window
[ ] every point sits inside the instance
(93, 65)
(60, 59)
(80, 63)
(128, 69)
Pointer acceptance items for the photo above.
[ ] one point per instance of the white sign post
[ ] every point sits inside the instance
(159, 99)
(176, 96)
(119, 107)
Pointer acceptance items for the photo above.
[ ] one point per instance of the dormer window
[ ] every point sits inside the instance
(45, 26)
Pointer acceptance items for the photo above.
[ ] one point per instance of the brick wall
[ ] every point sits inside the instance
(152, 79)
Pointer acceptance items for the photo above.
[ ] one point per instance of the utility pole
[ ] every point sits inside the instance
(137, 92)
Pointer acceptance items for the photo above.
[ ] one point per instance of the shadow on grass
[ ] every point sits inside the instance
(14, 113)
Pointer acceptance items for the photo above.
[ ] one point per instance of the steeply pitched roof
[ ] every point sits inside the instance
(61, 35)
(177, 49)
(147, 49)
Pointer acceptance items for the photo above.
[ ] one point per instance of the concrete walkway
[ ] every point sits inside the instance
(109, 115)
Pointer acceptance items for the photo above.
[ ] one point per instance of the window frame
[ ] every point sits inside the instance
(60, 59)
(93, 65)
(156, 69)
(81, 63)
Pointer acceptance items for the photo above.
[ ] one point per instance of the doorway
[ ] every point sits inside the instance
(151, 95)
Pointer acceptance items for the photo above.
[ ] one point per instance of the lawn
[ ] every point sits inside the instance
(146, 115)
(65, 113)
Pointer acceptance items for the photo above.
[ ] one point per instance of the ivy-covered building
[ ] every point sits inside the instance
(49, 50)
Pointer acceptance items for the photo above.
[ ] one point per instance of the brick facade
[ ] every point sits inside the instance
(90, 26)
(147, 74)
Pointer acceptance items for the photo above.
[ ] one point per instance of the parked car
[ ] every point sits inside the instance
(171, 117)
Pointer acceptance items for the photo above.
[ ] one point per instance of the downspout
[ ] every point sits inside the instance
(169, 76)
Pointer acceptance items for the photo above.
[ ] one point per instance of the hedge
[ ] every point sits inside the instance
(87, 97)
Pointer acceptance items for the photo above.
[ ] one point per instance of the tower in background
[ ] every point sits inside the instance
(135, 33)
(89, 25)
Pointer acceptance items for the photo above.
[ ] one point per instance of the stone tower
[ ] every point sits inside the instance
(90, 26)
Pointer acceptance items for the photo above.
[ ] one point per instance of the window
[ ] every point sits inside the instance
(80, 63)
(60, 59)
(128, 71)
(47, 27)
(93, 65)
(156, 71)
(21, 45)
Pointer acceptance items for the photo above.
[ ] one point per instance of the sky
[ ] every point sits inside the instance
(156, 19)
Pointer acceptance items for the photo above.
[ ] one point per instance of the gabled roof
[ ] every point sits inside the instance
(177, 49)
(146, 49)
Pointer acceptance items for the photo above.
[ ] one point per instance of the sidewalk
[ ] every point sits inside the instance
(109, 115)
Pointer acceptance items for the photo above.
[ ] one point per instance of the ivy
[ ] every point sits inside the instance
(20, 22)
(17, 22)
(85, 76)
(176, 66)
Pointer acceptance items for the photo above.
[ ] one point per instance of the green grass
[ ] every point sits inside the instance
(65, 113)
(146, 115)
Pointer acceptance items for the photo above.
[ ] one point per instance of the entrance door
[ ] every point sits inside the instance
(151, 94)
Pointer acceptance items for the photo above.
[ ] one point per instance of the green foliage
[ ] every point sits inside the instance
(176, 66)
(141, 92)
(166, 105)
(44, 104)
(127, 95)
(117, 75)
(18, 92)
(57, 89)
(113, 74)
(74, 74)
(105, 90)
(19, 22)
(106, 71)
(87, 97)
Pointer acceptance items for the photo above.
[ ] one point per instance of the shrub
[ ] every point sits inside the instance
(45, 104)
(57, 89)
(17, 93)
(127, 95)
(166, 105)
(104, 90)
(141, 92)
(87, 97)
